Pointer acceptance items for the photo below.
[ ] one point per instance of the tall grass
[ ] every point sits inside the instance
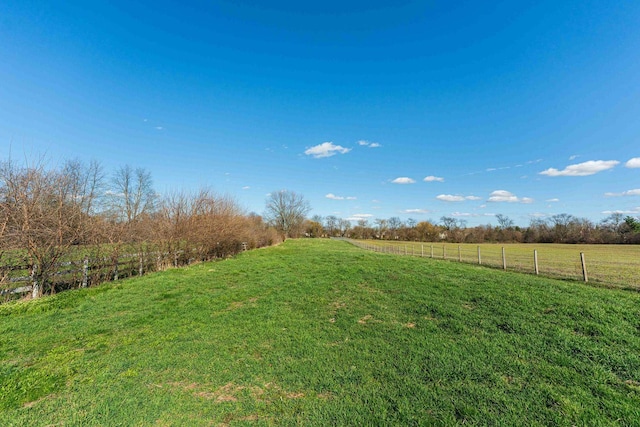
(323, 333)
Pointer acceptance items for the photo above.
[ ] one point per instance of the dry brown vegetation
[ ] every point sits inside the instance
(46, 214)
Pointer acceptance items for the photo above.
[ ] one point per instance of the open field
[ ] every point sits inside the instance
(608, 265)
(318, 332)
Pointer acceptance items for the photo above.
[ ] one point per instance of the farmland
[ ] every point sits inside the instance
(607, 265)
(318, 332)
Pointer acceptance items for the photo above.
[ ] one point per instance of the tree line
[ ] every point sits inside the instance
(560, 228)
(48, 213)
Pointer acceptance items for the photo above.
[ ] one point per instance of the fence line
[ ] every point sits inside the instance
(90, 271)
(535, 262)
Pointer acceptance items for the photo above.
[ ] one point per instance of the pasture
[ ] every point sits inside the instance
(607, 265)
(318, 332)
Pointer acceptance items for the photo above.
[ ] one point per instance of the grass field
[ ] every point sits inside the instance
(608, 265)
(318, 332)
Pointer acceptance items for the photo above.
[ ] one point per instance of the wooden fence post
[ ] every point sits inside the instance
(459, 254)
(504, 260)
(535, 261)
(479, 257)
(141, 265)
(35, 286)
(85, 272)
(115, 268)
(431, 251)
(422, 251)
(584, 267)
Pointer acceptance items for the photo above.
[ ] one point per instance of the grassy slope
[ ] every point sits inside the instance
(320, 333)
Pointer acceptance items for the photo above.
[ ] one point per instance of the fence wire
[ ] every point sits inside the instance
(608, 265)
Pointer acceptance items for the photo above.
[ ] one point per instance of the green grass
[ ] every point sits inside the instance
(316, 332)
(608, 265)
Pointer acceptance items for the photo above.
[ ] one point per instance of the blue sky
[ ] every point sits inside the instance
(415, 109)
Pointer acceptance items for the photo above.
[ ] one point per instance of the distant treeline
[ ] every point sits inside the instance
(47, 213)
(561, 228)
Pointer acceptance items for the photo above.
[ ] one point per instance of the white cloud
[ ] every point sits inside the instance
(450, 198)
(432, 178)
(334, 197)
(326, 149)
(508, 197)
(358, 217)
(554, 200)
(455, 198)
(575, 156)
(582, 169)
(497, 169)
(246, 187)
(364, 143)
(469, 214)
(633, 163)
(403, 180)
(628, 212)
(635, 192)
(159, 128)
(416, 211)
(502, 196)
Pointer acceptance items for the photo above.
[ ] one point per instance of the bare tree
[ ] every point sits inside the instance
(286, 211)
(561, 224)
(454, 228)
(331, 224)
(381, 225)
(394, 223)
(44, 212)
(449, 223)
(344, 226)
(504, 222)
(132, 193)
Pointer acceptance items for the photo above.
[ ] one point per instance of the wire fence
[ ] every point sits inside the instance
(608, 265)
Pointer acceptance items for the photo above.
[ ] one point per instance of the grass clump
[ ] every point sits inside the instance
(321, 333)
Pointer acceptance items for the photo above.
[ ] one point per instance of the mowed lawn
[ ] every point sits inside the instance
(318, 332)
